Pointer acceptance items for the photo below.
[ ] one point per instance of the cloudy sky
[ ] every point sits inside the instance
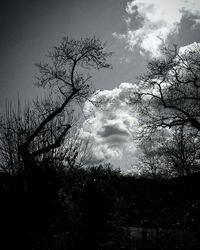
(134, 30)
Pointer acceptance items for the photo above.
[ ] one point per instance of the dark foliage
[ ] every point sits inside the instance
(51, 208)
(97, 208)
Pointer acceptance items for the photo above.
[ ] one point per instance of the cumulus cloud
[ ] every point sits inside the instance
(111, 125)
(156, 20)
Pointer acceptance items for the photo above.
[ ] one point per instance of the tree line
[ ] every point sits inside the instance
(49, 200)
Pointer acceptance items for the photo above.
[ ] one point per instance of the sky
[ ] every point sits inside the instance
(29, 29)
(134, 31)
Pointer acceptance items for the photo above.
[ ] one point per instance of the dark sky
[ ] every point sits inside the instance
(30, 28)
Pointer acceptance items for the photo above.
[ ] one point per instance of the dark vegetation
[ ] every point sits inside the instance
(54, 209)
(97, 208)
(49, 201)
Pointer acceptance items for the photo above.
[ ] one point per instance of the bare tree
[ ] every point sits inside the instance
(75, 152)
(151, 160)
(16, 126)
(67, 77)
(176, 153)
(182, 151)
(168, 94)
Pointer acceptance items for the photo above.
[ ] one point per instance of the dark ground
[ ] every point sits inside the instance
(97, 208)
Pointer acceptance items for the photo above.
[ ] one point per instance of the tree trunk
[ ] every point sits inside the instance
(27, 158)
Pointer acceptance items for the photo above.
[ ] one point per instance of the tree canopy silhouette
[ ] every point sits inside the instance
(67, 77)
(169, 93)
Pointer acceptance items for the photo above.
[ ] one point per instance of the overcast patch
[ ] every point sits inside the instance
(157, 20)
(110, 130)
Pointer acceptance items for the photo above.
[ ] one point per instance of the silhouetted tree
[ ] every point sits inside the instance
(181, 151)
(41, 130)
(168, 153)
(17, 125)
(151, 161)
(168, 94)
(39, 210)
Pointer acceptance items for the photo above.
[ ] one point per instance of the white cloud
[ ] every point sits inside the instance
(111, 125)
(158, 19)
(189, 48)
